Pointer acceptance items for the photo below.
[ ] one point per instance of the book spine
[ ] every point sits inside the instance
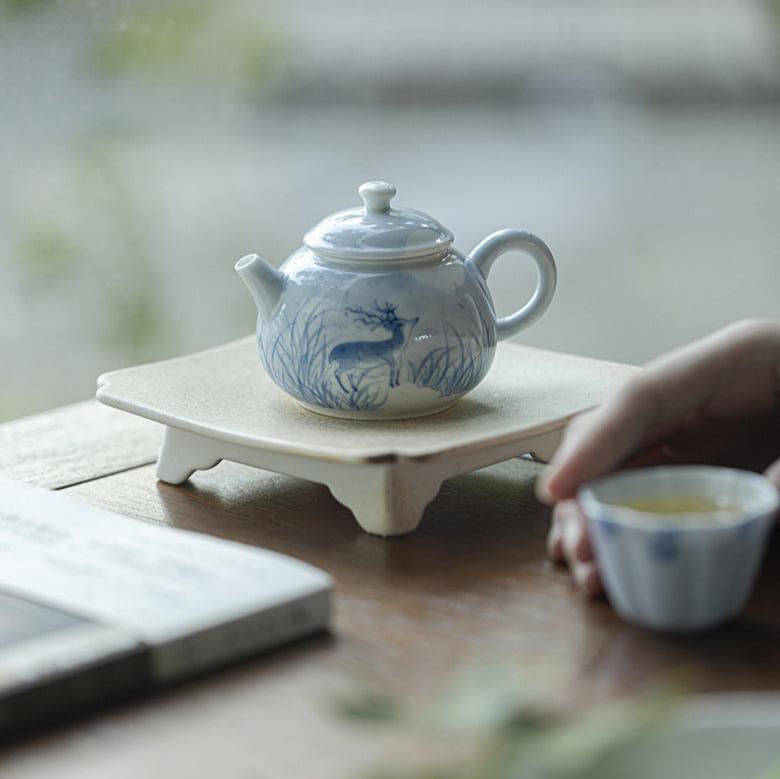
(246, 635)
(52, 677)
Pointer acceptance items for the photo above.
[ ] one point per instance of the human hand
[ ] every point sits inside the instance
(716, 401)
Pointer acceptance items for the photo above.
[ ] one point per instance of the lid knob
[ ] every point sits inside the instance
(377, 196)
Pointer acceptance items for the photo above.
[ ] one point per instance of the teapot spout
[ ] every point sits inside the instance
(265, 283)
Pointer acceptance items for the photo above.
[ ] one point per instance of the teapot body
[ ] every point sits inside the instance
(379, 342)
(378, 316)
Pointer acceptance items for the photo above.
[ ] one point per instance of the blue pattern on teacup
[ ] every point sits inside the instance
(664, 545)
(611, 530)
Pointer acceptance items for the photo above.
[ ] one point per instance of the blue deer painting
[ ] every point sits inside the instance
(357, 358)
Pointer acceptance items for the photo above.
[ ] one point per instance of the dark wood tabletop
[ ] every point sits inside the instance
(473, 583)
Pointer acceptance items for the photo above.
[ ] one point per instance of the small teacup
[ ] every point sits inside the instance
(679, 547)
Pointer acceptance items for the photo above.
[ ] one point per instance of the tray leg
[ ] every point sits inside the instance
(543, 447)
(183, 453)
(386, 500)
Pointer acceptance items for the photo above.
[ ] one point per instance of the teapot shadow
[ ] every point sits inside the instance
(467, 408)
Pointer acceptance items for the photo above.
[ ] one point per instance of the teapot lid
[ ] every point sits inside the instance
(378, 232)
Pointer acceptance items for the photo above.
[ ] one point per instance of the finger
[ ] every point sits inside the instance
(575, 538)
(655, 455)
(773, 473)
(555, 537)
(723, 374)
(744, 443)
(586, 577)
(572, 545)
(706, 377)
(598, 441)
(571, 434)
(555, 542)
(578, 555)
(563, 514)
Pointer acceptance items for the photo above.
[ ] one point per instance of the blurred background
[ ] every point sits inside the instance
(146, 145)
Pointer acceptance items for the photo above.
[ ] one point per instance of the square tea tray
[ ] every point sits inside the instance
(220, 405)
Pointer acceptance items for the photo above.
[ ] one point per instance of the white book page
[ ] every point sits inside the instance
(152, 582)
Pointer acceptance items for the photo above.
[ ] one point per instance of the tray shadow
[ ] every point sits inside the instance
(481, 526)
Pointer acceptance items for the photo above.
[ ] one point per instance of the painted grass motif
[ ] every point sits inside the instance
(456, 367)
(306, 363)
(297, 358)
(459, 365)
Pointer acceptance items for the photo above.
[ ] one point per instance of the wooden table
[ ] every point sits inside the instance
(472, 582)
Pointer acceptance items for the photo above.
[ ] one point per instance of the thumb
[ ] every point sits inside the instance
(773, 473)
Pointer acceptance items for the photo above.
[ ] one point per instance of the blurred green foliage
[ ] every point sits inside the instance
(97, 231)
(150, 40)
(25, 6)
(45, 249)
(129, 258)
(499, 723)
(202, 42)
(773, 8)
(771, 772)
(85, 234)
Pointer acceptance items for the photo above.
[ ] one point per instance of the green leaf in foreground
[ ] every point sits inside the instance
(370, 708)
(495, 722)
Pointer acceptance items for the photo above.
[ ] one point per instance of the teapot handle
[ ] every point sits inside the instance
(489, 250)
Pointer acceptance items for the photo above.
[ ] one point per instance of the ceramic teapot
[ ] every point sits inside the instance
(378, 316)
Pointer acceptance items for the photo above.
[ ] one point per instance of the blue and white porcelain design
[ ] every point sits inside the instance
(377, 316)
(681, 572)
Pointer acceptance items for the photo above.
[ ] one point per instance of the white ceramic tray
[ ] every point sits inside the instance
(220, 405)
